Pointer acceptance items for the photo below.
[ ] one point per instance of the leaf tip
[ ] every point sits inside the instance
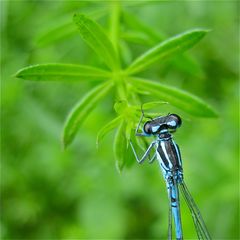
(208, 30)
(211, 112)
(201, 29)
(78, 18)
(18, 74)
(75, 15)
(214, 114)
(65, 139)
(119, 168)
(64, 144)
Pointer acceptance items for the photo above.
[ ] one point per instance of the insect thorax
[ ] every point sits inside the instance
(164, 136)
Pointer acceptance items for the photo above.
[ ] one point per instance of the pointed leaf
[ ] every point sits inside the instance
(81, 111)
(61, 72)
(136, 37)
(129, 128)
(130, 136)
(64, 29)
(93, 34)
(120, 106)
(107, 128)
(123, 152)
(179, 98)
(125, 52)
(120, 146)
(150, 105)
(169, 48)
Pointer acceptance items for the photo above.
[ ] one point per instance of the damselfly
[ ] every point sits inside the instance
(169, 158)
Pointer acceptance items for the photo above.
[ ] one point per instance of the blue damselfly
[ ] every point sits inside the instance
(169, 158)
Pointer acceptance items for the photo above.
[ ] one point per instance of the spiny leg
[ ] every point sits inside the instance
(145, 155)
(153, 158)
(141, 134)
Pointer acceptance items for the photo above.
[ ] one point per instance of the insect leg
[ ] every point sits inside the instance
(153, 158)
(141, 134)
(145, 155)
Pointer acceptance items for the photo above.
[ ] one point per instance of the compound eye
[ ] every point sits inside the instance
(147, 128)
(174, 121)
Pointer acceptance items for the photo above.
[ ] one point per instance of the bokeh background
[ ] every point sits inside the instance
(48, 193)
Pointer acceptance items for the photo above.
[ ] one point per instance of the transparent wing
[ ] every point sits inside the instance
(200, 226)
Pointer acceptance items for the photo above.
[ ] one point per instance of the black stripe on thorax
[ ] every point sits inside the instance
(171, 155)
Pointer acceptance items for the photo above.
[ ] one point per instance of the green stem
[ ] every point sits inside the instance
(115, 9)
(121, 88)
(120, 81)
(114, 22)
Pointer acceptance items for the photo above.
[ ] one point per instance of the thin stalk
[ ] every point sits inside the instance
(115, 9)
(120, 81)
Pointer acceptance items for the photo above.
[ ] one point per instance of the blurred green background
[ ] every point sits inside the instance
(48, 193)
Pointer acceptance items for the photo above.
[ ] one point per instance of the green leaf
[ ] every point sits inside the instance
(120, 106)
(64, 28)
(130, 136)
(169, 48)
(120, 146)
(154, 104)
(93, 34)
(123, 152)
(81, 111)
(61, 72)
(107, 128)
(178, 98)
(136, 37)
(129, 128)
(125, 53)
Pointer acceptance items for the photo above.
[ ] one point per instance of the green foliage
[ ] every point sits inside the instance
(82, 109)
(47, 193)
(107, 128)
(120, 146)
(94, 35)
(168, 48)
(179, 98)
(62, 72)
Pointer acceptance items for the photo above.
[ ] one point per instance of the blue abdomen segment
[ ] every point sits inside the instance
(173, 195)
(169, 158)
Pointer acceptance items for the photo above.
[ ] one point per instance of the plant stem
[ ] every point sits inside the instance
(120, 80)
(115, 10)
(114, 23)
